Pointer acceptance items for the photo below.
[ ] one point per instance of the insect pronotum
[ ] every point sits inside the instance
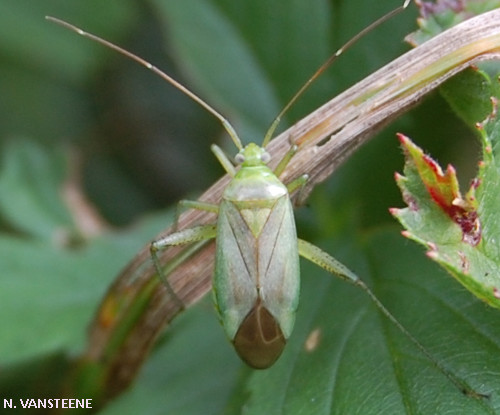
(256, 280)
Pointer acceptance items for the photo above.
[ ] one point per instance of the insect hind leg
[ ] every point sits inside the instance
(324, 260)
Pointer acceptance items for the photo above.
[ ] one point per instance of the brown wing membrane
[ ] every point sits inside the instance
(259, 340)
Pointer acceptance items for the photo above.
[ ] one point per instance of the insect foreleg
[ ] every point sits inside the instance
(330, 264)
(299, 182)
(280, 168)
(223, 160)
(196, 236)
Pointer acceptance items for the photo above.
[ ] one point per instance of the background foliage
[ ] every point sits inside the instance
(77, 117)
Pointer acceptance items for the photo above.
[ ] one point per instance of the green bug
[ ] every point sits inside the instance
(256, 282)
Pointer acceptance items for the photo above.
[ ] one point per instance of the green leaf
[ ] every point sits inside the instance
(361, 363)
(192, 371)
(30, 183)
(344, 356)
(207, 22)
(49, 289)
(42, 70)
(469, 94)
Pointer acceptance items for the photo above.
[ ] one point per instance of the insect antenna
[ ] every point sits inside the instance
(225, 123)
(326, 64)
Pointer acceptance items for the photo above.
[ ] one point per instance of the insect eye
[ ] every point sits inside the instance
(265, 157)
(239, 158)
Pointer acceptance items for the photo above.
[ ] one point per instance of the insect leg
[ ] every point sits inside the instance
(299, 182)
(193, 204)
(280, 168)
(196, 235)
(223, 160)
(330, 264)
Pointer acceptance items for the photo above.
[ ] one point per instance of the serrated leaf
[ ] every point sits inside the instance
(450, 225)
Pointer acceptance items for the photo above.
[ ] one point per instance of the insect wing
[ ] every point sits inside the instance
(256, 281)
(235, 268)
(279, 265)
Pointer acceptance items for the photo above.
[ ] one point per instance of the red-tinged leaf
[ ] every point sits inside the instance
(444, 190)
(460, 232)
